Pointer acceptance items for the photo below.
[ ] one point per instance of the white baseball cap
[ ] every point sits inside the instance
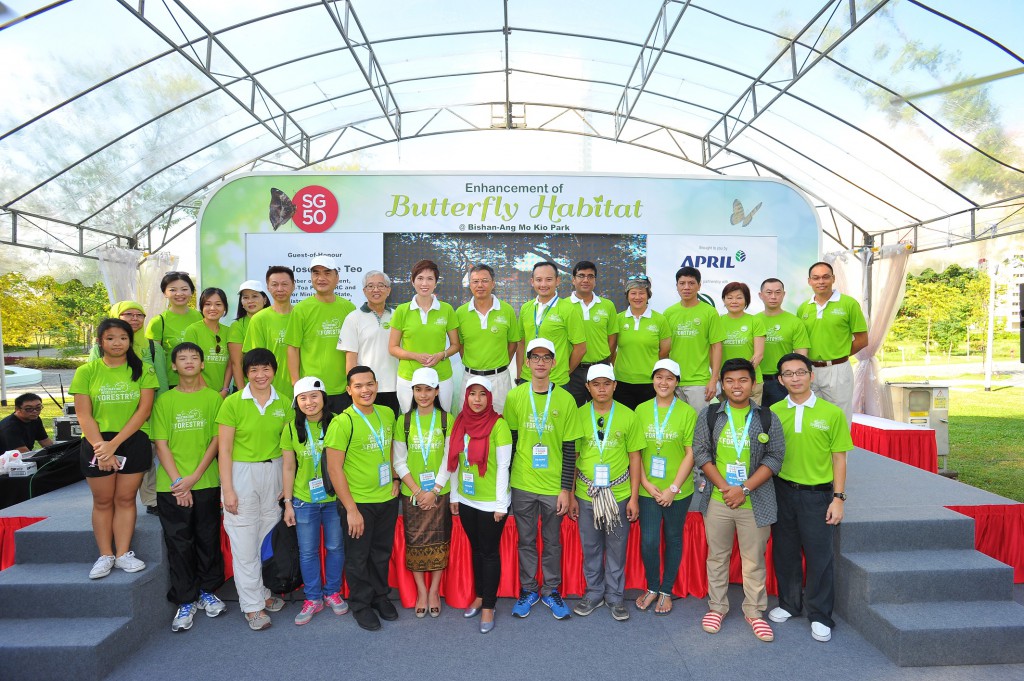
(251, 285)
(478, 380)
(600, 371)
(425, 376)
(667, 365)
(540, 343)
(324, 261)
(307, 384)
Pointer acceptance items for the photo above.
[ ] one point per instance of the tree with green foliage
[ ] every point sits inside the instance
(939, 307)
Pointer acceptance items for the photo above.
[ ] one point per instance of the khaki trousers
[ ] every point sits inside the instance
(721, 524)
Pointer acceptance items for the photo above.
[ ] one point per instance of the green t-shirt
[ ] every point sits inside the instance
(419, 435)
(314, 327)
(114, 395)
(429, 337)
(168, 329)
(485, 488)
(188, 423)
(725, 454)
(694, 330)
(622, 434)
(676, 436)
(350, 433)
(739, 338)
(784, 333)
(831, 335)
(823, 431)
(639, 345)
(257, 436)
(154, 357)
(485, 349)
(236, 332)
(561, 323)
(304, 468)
(267, 330)
(562, 425)
(601, 324)
(215, 364)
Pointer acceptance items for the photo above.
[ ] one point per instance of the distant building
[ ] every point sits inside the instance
(1008, 283)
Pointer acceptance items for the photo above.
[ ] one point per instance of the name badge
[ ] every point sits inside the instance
(658, 464)
(540, 456)
(468, 484)
(602, 475)
(427, 481)
(384, 474)
(735, 473)
(316, 490)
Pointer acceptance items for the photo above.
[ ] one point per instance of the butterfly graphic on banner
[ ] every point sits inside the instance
(739, 216)
(281, 208)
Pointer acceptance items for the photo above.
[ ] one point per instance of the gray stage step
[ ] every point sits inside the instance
(65, 590)
(65, 539)
(63, 648)
(906, 528)
(924, 576)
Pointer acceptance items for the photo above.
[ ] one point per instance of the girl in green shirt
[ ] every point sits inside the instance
(168, 327)
(251, 299)
(210, 335)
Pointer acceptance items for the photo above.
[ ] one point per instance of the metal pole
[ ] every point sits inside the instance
(3, 369)
(991, 325)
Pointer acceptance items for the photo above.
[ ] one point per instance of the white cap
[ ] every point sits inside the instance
(668, 365)
(425, 376)
(600, 371)
(251, 285)
(478, 380)
(307, 384)
(540, 343)
(324, 261)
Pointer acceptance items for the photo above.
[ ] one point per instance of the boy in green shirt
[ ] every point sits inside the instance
(600, 322)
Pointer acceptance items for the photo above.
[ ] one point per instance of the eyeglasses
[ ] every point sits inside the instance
(32, 410)
(824, 277)
(790, 374)
(543, 359)
(132, 315)
(586, 277)
(217, 338)
(376, 287)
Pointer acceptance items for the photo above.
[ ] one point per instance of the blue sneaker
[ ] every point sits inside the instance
(558, 607)
(526, 601)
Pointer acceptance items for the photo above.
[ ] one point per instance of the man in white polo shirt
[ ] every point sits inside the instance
(364, 338)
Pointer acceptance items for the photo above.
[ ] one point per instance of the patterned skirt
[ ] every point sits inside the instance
(427, 535)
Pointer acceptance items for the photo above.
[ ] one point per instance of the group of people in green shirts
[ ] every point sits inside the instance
(342, 411)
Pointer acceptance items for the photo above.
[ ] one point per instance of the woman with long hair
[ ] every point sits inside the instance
(168, 327)
(212, 337)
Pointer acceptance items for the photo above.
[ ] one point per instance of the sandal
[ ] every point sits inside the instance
(712, 622)
(663, 599)
(645, 600)
(762, 630)
(435, 612)
(420, 612)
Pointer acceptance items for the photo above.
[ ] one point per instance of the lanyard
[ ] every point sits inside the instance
(317, 453)
(737, 443)
(538, 321)
(425, 442)
(601, 442)
(377, 437)
(659, 428)
(539, 423)
(465, 443)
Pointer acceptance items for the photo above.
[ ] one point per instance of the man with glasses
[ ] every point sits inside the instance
(599, 322)
(785, 333)
(489, 333)
(22, 429)
(544, 425)
(554, 318)
(364, 338)
(809, 492)
(836, 329)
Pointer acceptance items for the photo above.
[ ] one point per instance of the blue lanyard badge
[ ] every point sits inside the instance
(600, 442)
(538, 422)
(538, 319)
(425, 441)
(317, 494)
(378, 437)
(468, 480)
(659, 427)
(739, 442)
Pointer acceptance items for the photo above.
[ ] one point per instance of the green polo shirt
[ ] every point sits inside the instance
(725, 453)
(639, 345)
(313, 328)
(823, 431)
(168, 329)
(562, 425)
(562, 324)
(694, 330)
(304, 468)
(187, 422)
(599, 323)
(421, 436)
(622, 435)
(485, 487)
(257, 436)
(267, 330)
(739, 338)
(430, 337)
(350, 433)
(215, 364)
(832, 334)
(487, 348)
(676, 436)
(112, 392)
(784, 333)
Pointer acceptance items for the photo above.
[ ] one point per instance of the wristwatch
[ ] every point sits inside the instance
(673, 489)
(746, 491)
(839, 495)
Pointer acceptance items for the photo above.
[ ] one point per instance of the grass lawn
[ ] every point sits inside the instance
(985, 442)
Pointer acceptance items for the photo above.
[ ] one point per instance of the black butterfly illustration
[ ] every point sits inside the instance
(281, 208)
(739, 216)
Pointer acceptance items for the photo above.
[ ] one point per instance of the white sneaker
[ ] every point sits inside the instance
(102, 567)
(183, 618)
(129, 563)
(821, 632)
(778, 615)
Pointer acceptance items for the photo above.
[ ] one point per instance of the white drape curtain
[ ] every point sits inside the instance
(118, 267)
(151, 271)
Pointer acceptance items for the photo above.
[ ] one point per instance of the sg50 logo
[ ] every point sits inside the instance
(313, 209)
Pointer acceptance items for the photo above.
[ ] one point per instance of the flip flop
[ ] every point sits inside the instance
(762, 630)
(712, 622)
(642, 603)
(663, 598)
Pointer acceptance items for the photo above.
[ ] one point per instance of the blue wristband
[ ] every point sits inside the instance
(176, 482)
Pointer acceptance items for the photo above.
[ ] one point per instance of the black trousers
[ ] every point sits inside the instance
(577, 385)
(801, 524)
(339, 403)
(485, 541)
(633, 394)
(367, 558)
(773, 390)
(388, 400)
(192, 537)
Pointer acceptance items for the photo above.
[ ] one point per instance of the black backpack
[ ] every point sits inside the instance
(280, 557)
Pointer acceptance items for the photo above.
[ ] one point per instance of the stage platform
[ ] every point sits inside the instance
(896, 513)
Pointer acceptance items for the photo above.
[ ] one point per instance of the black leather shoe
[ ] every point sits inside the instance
(366, 619)
(152, 510)
(385, 609)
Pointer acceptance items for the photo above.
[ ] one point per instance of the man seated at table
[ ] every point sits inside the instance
(22, 429)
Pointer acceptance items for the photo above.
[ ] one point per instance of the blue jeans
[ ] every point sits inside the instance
(309, 518)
